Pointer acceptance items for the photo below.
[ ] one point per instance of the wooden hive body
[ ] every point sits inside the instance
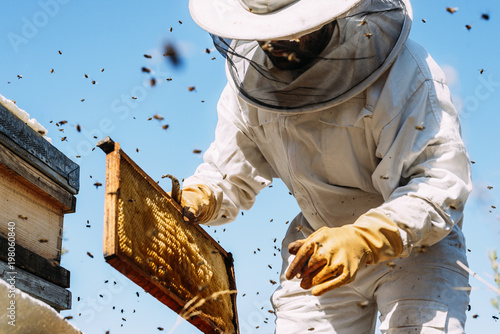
(147, 239)
(37, 188)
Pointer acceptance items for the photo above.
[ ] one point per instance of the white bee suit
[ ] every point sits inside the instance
(391, 142)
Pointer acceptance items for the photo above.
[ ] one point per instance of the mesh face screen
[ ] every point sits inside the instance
(150, 239)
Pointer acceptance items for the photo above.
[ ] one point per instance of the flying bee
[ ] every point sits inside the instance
(90, 255)
(451, 10)
(148, 56)
(158, 117)
(52, 71)
(368, 35)
(59, 52)
(145, 70)
(191, 88)
(164, 127)
(78, 128)
(97, 184)
(43, 240)
(468, 26)
(86, 76)
(420, 127)
(134, 97)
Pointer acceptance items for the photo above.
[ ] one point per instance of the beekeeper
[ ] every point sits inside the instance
(357, 120)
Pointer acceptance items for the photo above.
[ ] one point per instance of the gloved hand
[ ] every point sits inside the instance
(331, 257)
(198, 203)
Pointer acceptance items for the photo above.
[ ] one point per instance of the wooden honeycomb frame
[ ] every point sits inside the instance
(147, 240)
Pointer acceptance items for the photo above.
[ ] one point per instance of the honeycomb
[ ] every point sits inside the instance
(151, 232)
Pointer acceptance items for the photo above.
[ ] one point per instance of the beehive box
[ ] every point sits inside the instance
(37, 188)
(147, 239)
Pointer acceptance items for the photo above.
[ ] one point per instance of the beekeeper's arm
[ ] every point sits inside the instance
(232, 174)
(424, 176)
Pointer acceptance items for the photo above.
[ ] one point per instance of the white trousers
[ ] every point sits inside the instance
(424, 293)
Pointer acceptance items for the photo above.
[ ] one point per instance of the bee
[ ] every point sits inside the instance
(148, 56)
(41, 132)
(134, 97)
(310, 329)
(78, 128)
(19, 76)
(481, 71)
(270, 266)
(468, 26)
(485, 17)
(82, 100)
(90, 255)
(451, 10)
(93, 82)
(102, 69)
(384, 177)
(391, 265)
(52, 71)
(191, 88)
(489, 187)
(137, 150)
(169, 79)
(68, 317)
(171, 53)
(164, 126)
(424, 21)
(363, 304)
(43, 240)
(362, 23)
(86, 76)
(170, 29)
(158, 117)
(196, 151)
(160, 328)
(59, 52)
(293, 57)
(152, 82)
(368, 35)
(299, 228)
(97, 184)
(422, 249)
(420, 127)
(145, 70)
(64, 138)
(180, 22)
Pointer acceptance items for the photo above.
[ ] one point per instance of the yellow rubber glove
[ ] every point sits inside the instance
(331, 257)
(198, 203)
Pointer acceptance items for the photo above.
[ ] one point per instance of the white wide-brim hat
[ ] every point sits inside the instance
(266, 19)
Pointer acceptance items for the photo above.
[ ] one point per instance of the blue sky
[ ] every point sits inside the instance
(107, 41)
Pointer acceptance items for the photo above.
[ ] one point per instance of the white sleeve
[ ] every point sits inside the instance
(424, 171)
(233, 168)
